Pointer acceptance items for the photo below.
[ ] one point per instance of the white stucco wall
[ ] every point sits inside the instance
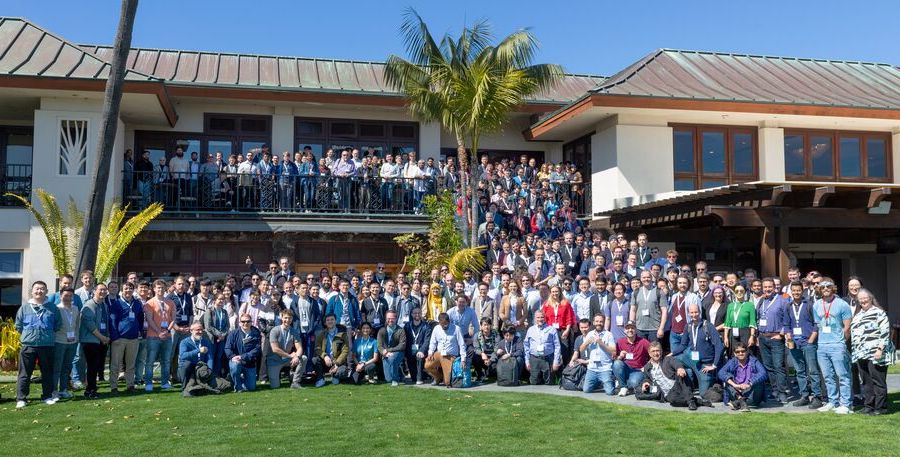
(771, 154)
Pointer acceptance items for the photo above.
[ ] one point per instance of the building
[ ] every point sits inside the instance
(740, 160)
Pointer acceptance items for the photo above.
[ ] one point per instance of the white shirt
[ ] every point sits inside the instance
(446, 342)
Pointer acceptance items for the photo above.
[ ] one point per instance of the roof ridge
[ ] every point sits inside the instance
(628, 72)
(766, 56)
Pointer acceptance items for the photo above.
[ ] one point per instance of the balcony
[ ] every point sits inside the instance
(14, 178)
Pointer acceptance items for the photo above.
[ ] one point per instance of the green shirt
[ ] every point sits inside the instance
(740, 315)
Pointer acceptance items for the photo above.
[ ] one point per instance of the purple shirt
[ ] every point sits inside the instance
(343, 168)
(772, 315)
(744, 374)
(616, 312)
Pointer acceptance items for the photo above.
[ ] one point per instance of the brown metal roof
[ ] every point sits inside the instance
(28, 50)
(292, 73)
(700, 75)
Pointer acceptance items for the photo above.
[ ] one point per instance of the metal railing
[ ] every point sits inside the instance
(16, 179)
(246, 193)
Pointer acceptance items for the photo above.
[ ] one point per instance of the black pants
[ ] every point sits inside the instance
(319, 365)
(874, 384)
(416, 367)
(94, 356)
(482, 369)
(541, 369)
(28, 356)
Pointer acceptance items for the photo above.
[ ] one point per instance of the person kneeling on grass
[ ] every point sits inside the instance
(745, 380)
(445, 346)
(332, 352)
(287, 350)
(631, 359)
(392, 347)
(243, 350)
(666, 380)
(485, 359)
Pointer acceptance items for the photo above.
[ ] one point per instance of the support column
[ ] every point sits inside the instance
(775, 257)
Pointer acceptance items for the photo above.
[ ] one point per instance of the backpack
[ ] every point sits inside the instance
(508, 372)
(572, 377)
(460, 378)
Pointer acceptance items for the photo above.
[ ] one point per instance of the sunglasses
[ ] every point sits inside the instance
(740, 352)
(245, 322)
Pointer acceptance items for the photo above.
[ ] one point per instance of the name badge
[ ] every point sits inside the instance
(164, 325)
(798, 331)
(762, 322)
(182, 319)
(304, 322)
(735, 332)
(70, 336)
(620, 320)
(415, 348)
(131, 315)
(404, 320)
(629, 356)
(539, 353)
(146, 325)
(571, 264)
(645, 312)
(376, 321)
(654, 389)
(678, 318)
(695, 355)
(103, 326)
(826, 329)
(556, 325)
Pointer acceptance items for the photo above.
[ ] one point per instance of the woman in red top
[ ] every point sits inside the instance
(559, 314)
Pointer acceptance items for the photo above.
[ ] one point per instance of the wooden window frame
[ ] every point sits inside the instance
(388, 141)
(836, 136)
(729, 176)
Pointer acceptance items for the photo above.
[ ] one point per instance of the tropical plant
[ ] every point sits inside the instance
(10, 343)
(64, 232)
(467, 84)
(443, 244)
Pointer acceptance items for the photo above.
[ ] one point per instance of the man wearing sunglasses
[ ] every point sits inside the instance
(745, 380)
(242, 347)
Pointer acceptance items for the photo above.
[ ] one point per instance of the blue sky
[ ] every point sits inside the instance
(593, 37)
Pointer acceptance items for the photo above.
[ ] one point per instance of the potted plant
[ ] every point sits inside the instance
(9, 346)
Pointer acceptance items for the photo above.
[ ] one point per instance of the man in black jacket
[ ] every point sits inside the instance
(418, 335)
(666, 380)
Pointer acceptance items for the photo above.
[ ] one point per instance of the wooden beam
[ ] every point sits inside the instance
(877, 195)
(733, 216)
(841, 218)
(778, 194)
(821, 196)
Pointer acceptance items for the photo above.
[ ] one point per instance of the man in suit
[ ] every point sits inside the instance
(485, 307)
(375, 307)
(493, 252)
(570, 255)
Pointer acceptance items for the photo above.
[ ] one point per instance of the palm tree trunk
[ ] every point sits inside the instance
(473, 183)
(90, 236)
(464, 183)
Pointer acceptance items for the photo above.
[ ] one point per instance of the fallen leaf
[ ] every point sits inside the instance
(109, 422)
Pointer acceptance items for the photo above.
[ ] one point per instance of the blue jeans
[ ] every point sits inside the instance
(161, 350)
(835, 361)
(308, 186)
(63, 355)
(772, 352)
(243, 378)
(627, 376)
(807, 370)
(387, 193)
(77, 365)
(593, 379)
(392, 367)
(141, 362)
(694, 367)
(753, 397)
(217, 358)
(675, 342)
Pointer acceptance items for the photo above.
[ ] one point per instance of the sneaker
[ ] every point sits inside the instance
(705, 402)
(692, 404)
(434, 383)
(51, 401)
(842, 410)
(419, 383)
(77, 385)
(166, 386)
(373, 381)
(20, 404)
(733, 405)
(320, 382)
(296, 386)
(148, 387)
(802, 402)
(745, 408)
(825, 408)
(782, 398)
(815, 403)
(114, 391)
(623, 391)
(394, 384)
(335, 381)
(65, 395)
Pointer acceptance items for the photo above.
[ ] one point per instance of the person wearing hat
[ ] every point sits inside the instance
(833, 315)
(632, 355)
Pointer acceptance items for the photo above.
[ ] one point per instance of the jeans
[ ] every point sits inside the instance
(593, 379)
(217, 358)
(418, 195)
(243, 378)
(416, 367)
(754, 396)
(308, 186)
(649, 335)
(173, 350)
(63, 355)
(807, 370)
(392, 367)
(835, 361)
(140, 361)
(694, 369)
(28, 357)
(77, 365)
(772, 352)
(287, 195)
(344, 190)
(387, 192)
(627, 376)
(675, 342)
(157, 349)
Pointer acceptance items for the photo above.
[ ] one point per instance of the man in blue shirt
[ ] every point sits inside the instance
(242, 347)
(191, 351)
(345, 308)
(126, 324)
(802, 341)
(772, 325)
(542, 351)
(701, 349)
(833, 315)
(599, 349)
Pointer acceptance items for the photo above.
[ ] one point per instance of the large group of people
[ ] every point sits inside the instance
(349, 180)
(602, 314)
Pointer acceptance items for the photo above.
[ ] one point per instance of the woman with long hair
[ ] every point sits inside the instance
(558, 314)
(512, 308)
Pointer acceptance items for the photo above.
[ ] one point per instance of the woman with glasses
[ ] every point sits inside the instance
(740, 321)
(872, 351)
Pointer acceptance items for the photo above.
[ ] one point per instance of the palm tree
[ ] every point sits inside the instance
(90, 236)
(467, 84)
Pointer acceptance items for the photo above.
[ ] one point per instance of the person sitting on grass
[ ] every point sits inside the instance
(598, 349)
(631, 359)
(485, 357)
(666, 380)
(242, 347)
(365, 354)
(287, 351)
(445, 346)
(191, 351)
(332, 352)
(745, 380)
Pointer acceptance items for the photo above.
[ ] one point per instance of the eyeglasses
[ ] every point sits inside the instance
(245, 322)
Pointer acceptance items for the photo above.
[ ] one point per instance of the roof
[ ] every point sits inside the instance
(700, 75)
(29, 50)
(220, 69)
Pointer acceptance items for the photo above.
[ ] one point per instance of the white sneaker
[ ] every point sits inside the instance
(148, 387)
(394, 384)
(51, 401)
(825, 408)
(20, 404)
(419, 383)
(842, 410)
(623, 391)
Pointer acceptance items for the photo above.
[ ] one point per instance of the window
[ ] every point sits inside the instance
(16, 147)
(10, 278)
(382, 136)
(825, 155)
(225, 133)
(579, 152)
(713, 156)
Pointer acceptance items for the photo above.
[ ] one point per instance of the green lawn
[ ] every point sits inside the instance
(379, 420)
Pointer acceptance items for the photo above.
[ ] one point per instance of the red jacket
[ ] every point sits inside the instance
(564, 315)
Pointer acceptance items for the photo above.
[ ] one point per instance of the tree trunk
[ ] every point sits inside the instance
(90, 235)
(473, 204)
(462, 158)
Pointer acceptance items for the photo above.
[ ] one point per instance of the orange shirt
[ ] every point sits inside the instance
(157, 312)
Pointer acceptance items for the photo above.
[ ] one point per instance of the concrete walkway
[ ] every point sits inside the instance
(893, 385)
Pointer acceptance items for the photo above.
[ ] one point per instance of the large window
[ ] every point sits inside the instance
(579, 152)
(827, 155)
(712, 156)
(11, 278)
(225, 133)
(381, 137)
(16, 147)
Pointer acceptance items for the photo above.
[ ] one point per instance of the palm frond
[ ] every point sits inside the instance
(53, 225)
(74, 226)
(469, 259)
(115, 236)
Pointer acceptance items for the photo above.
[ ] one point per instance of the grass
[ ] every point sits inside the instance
(379, 420)
(894, 369)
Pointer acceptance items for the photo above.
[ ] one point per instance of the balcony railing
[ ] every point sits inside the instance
(16, 179)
